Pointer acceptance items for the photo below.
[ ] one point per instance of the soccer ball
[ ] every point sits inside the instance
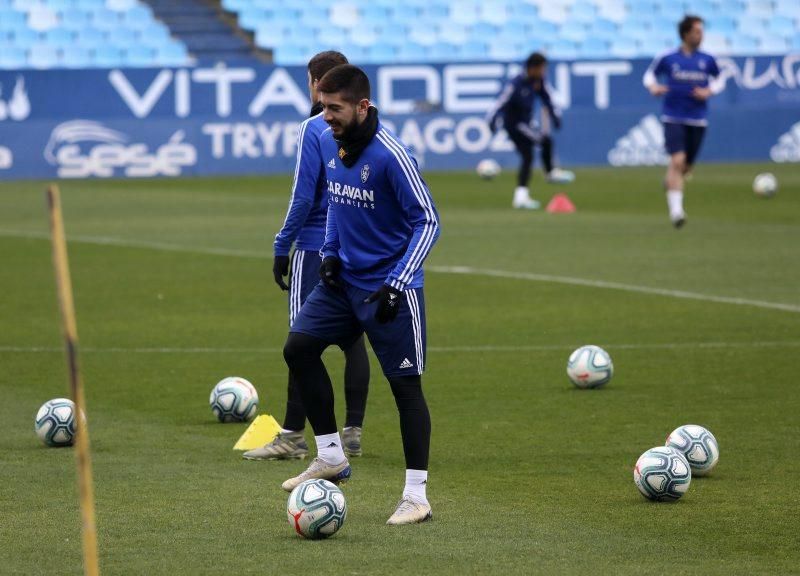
(697, 445)
(55, 422)
(590, 367)
(662, 474)
(488, 168)
(234, 399)
(316, 509)
(765, 185)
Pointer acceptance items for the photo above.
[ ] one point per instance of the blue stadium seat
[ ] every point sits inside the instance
(236, 5)
(405, 13)
(25, 37)
(483, 30)
(91, 37)
(702, 8)
(543, 32)
(723, 24)
(124, 38)
(583, 12)
(624, 47)
(411, 52)
(782, 25)
(441, 52)
(652, 45)
(524, 12)
(513, 29)
(137, 17)
(42, 56)
(59, 37)
(730, 7)
(435, 13)
(155, 35)
(381, 53)
(314, 19)
(75, 19)
(12, 20)
(572, 30)
(107, 56)
(172, 54)
(744, 45)
(59, 5)
(13, 58)
(289, 54)
(773, 45)
(251, 18)
(75, 57)
(105, 19)
(593, 48)
(90, 4)
(474, 50)
(139, 56)
(506, 50)
(564, 49)
(604, 26)
(453, 32)
(375, 13)
(795, 42)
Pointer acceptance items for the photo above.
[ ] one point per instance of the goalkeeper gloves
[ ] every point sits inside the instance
(388, 300)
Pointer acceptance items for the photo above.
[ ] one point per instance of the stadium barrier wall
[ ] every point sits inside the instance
(231, 119)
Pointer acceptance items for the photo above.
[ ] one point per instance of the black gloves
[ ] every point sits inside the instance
(280, 268)
(388, 299)
(329, 271)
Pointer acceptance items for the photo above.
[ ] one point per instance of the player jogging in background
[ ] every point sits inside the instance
(304, 227)
(515, 106)
(381, 226)
(686, 72)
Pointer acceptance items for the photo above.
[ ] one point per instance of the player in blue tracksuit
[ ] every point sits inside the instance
(515, 106)
(304, 227)
(381, 226)
(685, 73)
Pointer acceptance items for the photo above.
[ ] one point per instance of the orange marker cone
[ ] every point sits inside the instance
(560, 204)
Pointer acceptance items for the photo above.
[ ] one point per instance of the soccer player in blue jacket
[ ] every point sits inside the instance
(304, 227)
(686, 72)
(515, 106)
(381, 226)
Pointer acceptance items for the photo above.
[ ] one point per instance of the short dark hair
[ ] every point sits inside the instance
(687, 23)
(324, 61)
(535, 60)
(348, 80)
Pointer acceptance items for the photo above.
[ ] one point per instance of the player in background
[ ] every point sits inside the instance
(685, 73)
(304, 227)
(381, 226)
(515, 106)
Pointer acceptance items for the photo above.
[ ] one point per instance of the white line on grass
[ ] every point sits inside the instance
(438, 349)
(464, 270)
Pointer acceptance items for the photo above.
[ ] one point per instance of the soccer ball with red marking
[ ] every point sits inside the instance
(662, 474)
(590, 367)
(316, 509)
(234, 399)
(55, 422)
(698, 446)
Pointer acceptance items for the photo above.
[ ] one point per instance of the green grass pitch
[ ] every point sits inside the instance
(528, 475)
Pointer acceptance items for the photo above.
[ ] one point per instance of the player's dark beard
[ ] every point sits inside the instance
(355, 137)
(316, 109)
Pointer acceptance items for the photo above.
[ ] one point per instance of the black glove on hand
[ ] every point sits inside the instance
(329, 271)
(388, 300)
(280, 268)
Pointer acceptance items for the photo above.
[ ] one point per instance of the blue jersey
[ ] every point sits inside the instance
(682, 73)
(515, 104)
(381, 219)
(304, 225)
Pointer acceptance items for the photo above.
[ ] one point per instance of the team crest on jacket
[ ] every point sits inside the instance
(364, 173)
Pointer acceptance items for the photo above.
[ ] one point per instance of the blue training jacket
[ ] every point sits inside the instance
(304, 225)
(683, 73)
(381, 219)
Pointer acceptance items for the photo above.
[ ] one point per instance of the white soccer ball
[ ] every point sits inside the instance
(55, 422)
(488, 168)
(590, 367)
(662, 474)
(234, 399)
(765, 185)
(698, 446)
(316, 509)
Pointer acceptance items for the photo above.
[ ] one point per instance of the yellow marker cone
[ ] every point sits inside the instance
(262, 431)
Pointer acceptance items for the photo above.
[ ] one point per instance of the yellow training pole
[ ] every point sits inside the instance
(84, 462)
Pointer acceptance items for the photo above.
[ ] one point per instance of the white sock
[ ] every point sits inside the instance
(285, 431)
(329, 449)
(416, 482)
(521, 194)
(675, 203)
